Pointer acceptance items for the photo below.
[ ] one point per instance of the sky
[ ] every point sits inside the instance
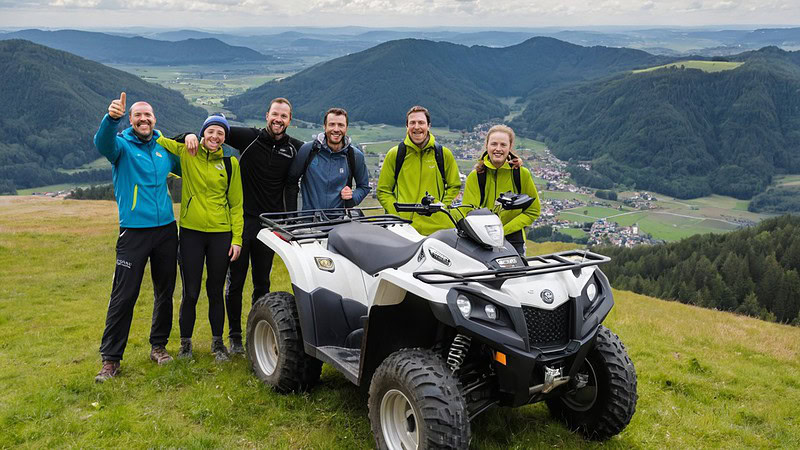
(218, 14)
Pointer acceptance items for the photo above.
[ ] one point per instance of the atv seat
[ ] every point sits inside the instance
(371, 248)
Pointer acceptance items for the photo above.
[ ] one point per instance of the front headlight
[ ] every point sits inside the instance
(495, 232)
(464, 305)
(591, 291)
(491, 312)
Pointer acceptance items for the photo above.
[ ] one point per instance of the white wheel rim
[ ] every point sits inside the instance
(266, 347)
(398, 422)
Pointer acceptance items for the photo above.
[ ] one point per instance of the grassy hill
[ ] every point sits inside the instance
(682, 132)
(52, 104)
(706, 378)
(460, 85)
(108, 48)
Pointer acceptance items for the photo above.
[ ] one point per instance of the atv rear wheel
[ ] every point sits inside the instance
(275, 345)
(415, 403)
(605, 405)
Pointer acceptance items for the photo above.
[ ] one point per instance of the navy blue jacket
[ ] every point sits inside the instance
(139, 170)
(327, 175)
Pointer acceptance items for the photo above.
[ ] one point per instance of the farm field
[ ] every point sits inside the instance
(705, 66)
(706, 378)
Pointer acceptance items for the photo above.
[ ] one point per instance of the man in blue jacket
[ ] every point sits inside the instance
(146, 230)
(328, 165)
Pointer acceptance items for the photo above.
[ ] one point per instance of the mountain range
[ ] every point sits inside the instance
(52, 104)
(681, 132)
(460, 85)
(107, 48)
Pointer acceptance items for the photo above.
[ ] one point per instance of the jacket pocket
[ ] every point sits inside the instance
(135, 194)
(186, 211)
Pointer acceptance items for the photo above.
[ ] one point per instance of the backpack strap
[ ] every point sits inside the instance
(398, 161)
(351, 164)
(438, 153)
(229, 169)
(315, 147)
(516, 174)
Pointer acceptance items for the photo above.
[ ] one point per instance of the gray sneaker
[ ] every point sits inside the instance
(109, 370)
(159, 355)
(186, 349)
(218, 349)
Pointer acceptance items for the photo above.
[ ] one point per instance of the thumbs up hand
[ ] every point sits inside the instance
(117, 107)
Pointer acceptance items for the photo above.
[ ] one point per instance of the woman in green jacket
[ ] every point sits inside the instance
(210, 228)
(499, 178)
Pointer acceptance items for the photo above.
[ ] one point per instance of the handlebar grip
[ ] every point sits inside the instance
(409, 207)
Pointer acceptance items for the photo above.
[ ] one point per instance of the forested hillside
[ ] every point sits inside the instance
(681, 132)
(108, 48)
(754, 271)
(52, 104)
(460, 85)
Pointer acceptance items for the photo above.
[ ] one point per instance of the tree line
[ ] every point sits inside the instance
(754, 271)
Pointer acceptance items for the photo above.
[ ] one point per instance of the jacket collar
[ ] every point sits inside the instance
(430, 144)
(488, 164)
(324, 141)
(130, 136)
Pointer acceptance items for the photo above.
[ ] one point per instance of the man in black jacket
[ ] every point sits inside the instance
(266, 155)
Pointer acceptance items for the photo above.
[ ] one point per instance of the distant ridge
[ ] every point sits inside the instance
(460, 85)
(107, 48)
(684, 133)
(52, 104)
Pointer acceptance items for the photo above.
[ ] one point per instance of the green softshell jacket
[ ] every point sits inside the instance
(204, 206)
(418, 175)
(499, 181)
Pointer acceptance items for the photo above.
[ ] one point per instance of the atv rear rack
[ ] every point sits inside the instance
(537, 265)
(317, 223)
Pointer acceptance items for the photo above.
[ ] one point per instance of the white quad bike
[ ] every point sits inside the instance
(440, 328)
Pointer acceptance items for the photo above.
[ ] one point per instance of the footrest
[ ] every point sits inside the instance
(346, 360)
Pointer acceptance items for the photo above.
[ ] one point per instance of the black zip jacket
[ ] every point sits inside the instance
(264, 164)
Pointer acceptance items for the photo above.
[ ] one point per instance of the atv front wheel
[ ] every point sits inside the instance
(275, 345)
(604, 406)
(415, 403)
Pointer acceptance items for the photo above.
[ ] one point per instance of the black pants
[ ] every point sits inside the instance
(197, 247)
(260, 256)
(518, 241)
(134, 247)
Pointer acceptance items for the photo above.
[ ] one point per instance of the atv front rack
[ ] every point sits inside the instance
(317, 223)
(537, 265)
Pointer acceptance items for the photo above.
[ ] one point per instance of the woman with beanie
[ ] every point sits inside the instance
(495, 174)
(210, 228)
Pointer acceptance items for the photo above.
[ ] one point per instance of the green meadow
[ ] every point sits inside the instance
(705, 66)
(705, 378)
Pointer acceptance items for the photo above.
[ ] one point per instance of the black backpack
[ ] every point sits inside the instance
(438, 153)
(515, 173)
(351, 164)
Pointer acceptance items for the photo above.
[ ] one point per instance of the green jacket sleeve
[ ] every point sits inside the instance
(472, 194)
(235, 203)
(453, 178)
(174, 147)
(530, 214)
(386, 182)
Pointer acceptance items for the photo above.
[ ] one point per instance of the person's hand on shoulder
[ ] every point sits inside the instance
(192, 144)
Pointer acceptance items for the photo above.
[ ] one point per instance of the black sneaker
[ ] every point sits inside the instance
(186, 349)
(236, 346)
(218, 349)
(109, 370)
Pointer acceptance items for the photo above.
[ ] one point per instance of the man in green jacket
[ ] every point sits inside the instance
(421, 172)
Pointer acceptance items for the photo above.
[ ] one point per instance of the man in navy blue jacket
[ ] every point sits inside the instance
(146, 229)
(328, 164)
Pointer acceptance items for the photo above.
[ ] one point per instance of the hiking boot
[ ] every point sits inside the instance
(218, 349)
(186, 349)
(159, 354)
(110, 370)
(236, 346)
